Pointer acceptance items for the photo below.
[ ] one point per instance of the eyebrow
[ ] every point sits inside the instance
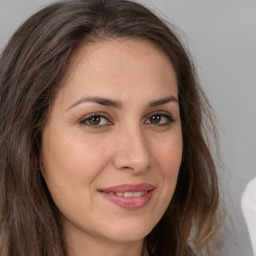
(117, 104)
(98, 100)
(162, 101)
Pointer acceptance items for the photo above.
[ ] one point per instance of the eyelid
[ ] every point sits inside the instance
(83, 120)
(165, 114)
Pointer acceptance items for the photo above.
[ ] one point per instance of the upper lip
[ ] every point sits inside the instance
(128, 188)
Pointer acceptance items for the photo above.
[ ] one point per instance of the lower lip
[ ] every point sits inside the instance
(131, 203)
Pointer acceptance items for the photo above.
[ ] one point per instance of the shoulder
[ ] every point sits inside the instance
(250, 190)
(248, 199)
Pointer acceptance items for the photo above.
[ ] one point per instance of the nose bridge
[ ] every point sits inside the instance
(132, 149)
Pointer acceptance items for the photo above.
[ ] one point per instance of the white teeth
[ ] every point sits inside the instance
(137, 194)
(129, 194)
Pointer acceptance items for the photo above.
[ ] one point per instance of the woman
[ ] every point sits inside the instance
(103, 143)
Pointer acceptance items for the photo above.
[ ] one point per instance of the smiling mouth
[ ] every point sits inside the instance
(129, 196)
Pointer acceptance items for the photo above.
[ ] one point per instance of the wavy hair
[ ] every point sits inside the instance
(32, 66)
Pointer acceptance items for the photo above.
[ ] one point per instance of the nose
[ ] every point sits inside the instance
(132, 151)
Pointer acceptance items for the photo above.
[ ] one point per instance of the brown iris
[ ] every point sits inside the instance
(95, 120)
(155, 119)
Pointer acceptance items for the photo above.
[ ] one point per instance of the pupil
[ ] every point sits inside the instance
(95, 120)
(155, 119)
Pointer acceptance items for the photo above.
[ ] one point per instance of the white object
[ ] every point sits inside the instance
(248, 204)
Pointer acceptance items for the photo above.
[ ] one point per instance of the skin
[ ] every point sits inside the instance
(125, 145)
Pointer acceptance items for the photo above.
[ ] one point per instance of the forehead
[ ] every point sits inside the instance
(125, 51)
(119, 67)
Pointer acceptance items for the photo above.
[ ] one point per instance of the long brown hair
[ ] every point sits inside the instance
(31, 68)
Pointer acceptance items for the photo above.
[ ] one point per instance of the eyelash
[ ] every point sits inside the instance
(85, 121)
(169, 119)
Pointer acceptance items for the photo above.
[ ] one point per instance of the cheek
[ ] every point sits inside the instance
(71, 165)
(168, 157)
(70, 159)
(169, 152)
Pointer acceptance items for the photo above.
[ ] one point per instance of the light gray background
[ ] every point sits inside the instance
(221, 35)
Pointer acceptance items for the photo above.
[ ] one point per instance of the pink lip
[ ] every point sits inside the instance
(129, 202)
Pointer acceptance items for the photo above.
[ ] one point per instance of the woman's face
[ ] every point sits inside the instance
(112, 147)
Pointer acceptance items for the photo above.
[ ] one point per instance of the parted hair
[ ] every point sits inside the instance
(32, 65)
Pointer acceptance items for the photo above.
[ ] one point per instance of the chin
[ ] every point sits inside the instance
(130, 233)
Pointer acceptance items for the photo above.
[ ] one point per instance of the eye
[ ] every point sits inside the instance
(160, 119)
(97, 120)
